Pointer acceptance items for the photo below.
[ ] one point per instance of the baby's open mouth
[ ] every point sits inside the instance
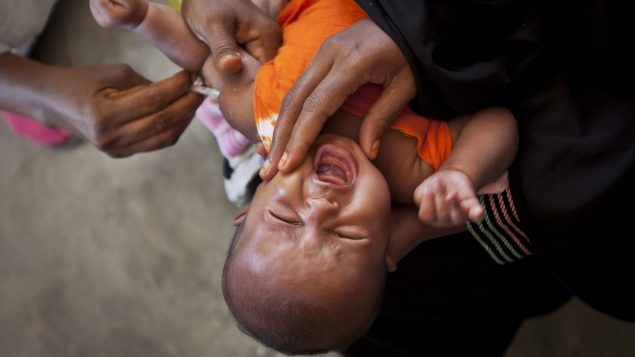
(335, 165)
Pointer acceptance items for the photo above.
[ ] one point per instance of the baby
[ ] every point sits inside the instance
(307, 265)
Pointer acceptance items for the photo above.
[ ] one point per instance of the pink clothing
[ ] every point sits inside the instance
(35, 131)
(230, 141)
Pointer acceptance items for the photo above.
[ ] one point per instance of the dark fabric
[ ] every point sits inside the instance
(449, 298)
(501, 233)
(566, 70)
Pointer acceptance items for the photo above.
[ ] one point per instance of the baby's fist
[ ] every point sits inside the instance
(122, 13)
(447, 199)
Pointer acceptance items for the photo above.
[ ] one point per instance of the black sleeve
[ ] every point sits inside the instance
(464, 54)
(566, 71)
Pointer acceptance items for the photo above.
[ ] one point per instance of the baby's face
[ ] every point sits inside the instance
(332, 213)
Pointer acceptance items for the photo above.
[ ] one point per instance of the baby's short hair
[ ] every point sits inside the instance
(293, 324)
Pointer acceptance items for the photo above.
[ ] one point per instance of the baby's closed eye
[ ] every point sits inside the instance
(350, 232)
(284, 217)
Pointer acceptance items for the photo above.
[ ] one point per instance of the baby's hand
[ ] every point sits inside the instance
(447, 198)
(122, 13)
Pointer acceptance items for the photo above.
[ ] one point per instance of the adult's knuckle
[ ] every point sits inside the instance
(289, 99)
(312, 103)
(332, 42)
(154, 97)
(162, 120)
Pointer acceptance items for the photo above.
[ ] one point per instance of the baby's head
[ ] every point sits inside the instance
(306, 269)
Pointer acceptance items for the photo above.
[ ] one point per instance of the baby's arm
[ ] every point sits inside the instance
(159, 24)
(237, 92)
(485, 147)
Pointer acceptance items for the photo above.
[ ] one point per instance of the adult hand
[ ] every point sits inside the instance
(361, 54)
(225, 24)
(117, 110)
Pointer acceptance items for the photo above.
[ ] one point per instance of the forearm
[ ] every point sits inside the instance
(485, 147)
(24, 84)
(165, 29)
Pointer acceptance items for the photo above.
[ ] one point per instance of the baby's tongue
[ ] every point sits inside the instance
(332, 174)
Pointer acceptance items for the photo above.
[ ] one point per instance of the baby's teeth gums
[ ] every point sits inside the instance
(332, 174)
(335, 165)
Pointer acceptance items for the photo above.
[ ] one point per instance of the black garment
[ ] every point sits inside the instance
(449, 298)
(565, 69)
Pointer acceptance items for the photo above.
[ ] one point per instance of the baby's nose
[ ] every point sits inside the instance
(321, 206)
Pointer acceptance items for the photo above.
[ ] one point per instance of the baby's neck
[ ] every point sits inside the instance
(397, 159)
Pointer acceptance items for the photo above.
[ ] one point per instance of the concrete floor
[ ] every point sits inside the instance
(102, 257)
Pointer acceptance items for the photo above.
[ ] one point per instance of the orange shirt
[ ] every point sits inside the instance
(305, 25)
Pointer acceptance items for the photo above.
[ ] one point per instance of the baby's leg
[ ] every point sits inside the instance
(159, 24)
(166, 30)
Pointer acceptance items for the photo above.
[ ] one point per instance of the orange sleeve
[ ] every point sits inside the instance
(434, 141)
(305, 25)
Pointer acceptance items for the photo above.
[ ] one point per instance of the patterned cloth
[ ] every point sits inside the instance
(501, 233)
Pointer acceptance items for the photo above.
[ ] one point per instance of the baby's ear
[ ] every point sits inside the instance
(240, 217)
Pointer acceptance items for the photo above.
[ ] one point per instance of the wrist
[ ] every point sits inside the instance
(52, 91)
(23, 84)
(461, 170)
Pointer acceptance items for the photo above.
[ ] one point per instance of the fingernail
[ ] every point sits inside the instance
(228, 56)
(283, 161)
(374, 149)
(265, 167)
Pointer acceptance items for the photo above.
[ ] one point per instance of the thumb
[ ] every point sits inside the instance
(225, 51)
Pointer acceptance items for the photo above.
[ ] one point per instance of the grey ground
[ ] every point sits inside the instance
(103, 257)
